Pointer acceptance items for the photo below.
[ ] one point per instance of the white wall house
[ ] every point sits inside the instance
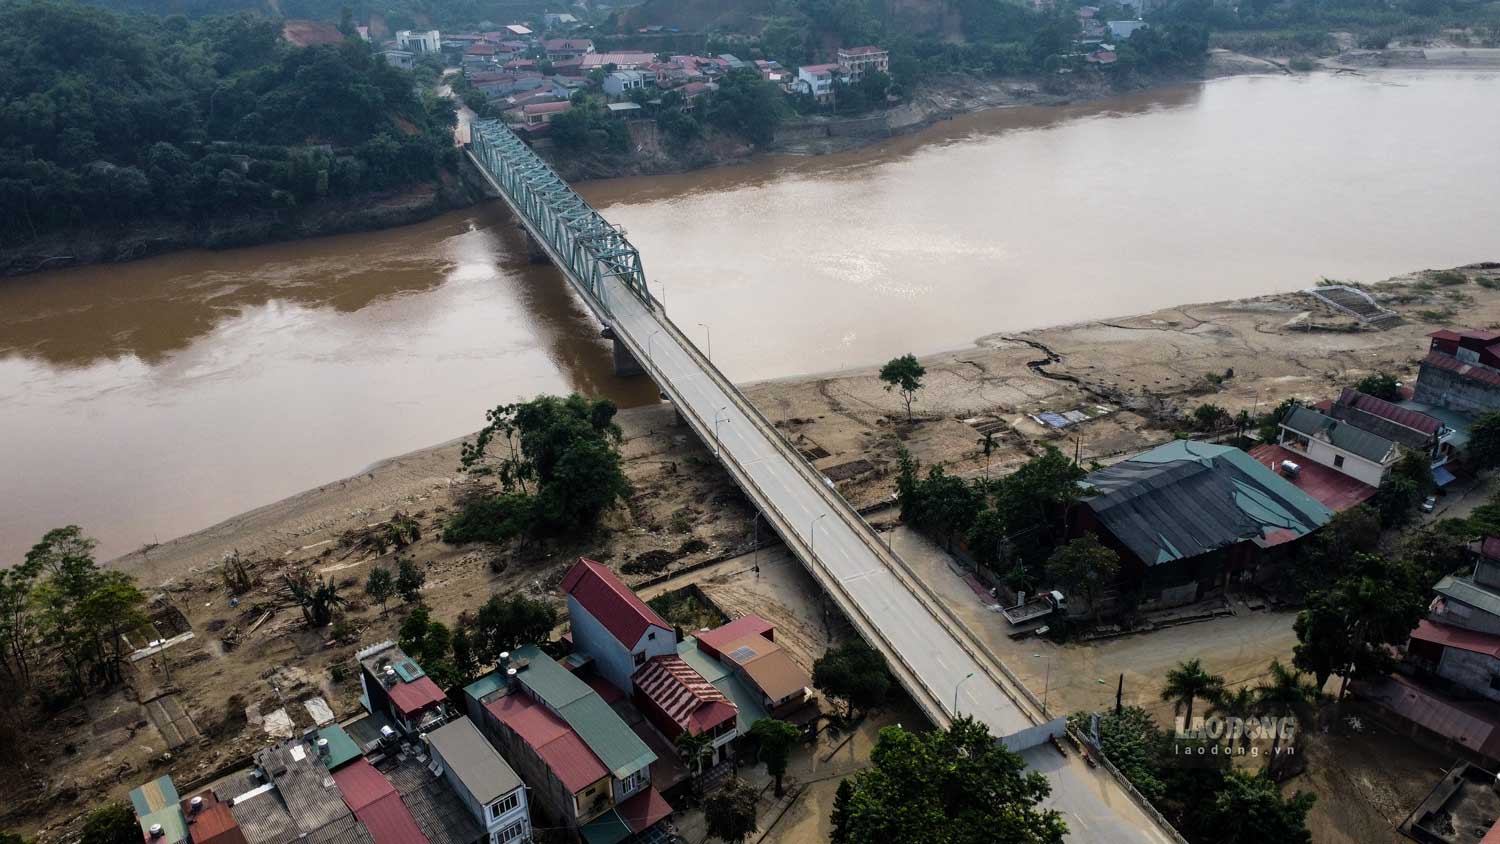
(613, 626)
(486, 785)
(419, 41)
(1361, 455)
(620, 83)
(818, 81)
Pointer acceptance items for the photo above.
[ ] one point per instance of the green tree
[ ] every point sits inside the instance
(775, 740)
(1381, 385)
(1250, 809)
(112, 823)
(79, 609)
(729, 813)
(504, 624)
(747, 106)
(904, 374)
(1210, 417)
(1083, 566)
(1483, 449)
(1237, 703)
(566, 448)
(854, 673)
(1409, 482)
(380, 586)
(842, 812)
(18, 621)
(1270, 424)
(1188, 683)
(1350, 628)
(956, 785)
(410, 578)
(1131, 741)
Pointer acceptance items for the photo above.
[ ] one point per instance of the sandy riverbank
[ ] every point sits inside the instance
(1126, 372)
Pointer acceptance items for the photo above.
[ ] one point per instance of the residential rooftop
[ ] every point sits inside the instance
(473, 760)
(1460, 809)
(610, 602)
(1186, 498)
(621, 751)
(1342, 435)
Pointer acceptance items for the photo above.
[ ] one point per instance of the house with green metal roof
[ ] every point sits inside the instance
(1187, 518)
(617, 746)
(159, 811)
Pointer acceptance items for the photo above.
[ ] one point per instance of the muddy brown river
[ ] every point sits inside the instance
(150, 399)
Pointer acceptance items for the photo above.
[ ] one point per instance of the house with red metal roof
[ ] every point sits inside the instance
(677, 699)
(377, 805)
(611, 625)
(1461, 371)
(588, 770)
(395, 686)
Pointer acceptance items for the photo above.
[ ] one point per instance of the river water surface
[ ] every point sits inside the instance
(150, 399)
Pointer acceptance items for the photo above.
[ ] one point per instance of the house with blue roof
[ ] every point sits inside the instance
(1189, 518)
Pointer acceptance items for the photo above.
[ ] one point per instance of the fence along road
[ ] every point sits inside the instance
(936, 659)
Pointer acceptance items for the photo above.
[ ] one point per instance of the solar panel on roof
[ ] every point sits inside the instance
(408, 670)
(742, 653)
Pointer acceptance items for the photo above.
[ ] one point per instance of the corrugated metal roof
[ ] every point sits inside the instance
(1466, 591)
(213, 823)
(473, 760)
(436, 808)
(345, 830)
(154, 796)
(1386, 410)
(644, 809)
(264, 819)
(1334, 489)
(741, 627)
(390, 822)
(1183, 499)
(1371, 446)
(1457, 637)
(362, 785)
(608, 828)
(693, 703)
(745, 700)
(554, 741)
(488, 684)
(341, 748)
(310, 793)
(416, 696)
(621, 750)
(1466, 725)
(620, 610)
(1471, 371)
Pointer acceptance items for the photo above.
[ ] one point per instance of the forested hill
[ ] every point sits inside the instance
(107, 118)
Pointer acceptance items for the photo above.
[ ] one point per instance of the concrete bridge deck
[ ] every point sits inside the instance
(939, 663)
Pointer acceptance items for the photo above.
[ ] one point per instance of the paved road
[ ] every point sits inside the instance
(1097, 808)
(937, 661)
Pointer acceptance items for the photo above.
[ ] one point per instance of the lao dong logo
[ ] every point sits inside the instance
(1233, 736)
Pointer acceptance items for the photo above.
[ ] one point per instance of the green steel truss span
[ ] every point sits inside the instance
(593, 248)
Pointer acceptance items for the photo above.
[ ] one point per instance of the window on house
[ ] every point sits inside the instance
(505, 804)
(634, 781)
(640, 659)
(651, 635)
(511, 833)
(1338, 461)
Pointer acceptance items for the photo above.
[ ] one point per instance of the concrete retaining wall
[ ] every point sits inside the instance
(1451, 390)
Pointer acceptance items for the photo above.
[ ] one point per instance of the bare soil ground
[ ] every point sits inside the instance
(251, 660)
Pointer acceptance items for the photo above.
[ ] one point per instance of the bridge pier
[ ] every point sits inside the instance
(625, 362)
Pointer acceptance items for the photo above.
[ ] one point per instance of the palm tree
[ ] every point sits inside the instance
(1189, 682)
(1286, 695)
(1239, 703)
(317, 596)
(694, 748)
(987, 443)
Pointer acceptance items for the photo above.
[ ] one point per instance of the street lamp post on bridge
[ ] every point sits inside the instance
(717, 419)
(812, 534)
(956, 687)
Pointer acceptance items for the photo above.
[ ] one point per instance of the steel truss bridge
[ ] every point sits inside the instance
(939, 662)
